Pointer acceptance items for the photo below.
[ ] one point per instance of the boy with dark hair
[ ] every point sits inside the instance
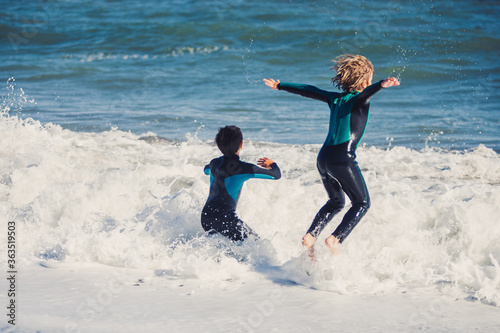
(336, 160)
(227, 175)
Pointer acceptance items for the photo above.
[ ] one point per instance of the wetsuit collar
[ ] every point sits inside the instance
(232, 157)
(352, 92)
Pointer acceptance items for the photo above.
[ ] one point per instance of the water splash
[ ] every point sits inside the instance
(403, 60)
(14, 99)
(245, 65)
(433, 138)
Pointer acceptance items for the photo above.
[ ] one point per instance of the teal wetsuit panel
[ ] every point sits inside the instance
(349, 113)
(340, 120)
(235, 183)
(227, 176)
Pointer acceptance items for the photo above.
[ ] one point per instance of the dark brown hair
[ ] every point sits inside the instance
(229, 139)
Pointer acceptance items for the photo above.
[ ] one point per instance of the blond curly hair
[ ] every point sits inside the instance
(352, 72)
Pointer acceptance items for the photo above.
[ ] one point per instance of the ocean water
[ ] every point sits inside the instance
(177, 67)
(109, 110)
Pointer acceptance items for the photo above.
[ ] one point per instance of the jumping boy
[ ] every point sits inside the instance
(227, 175)
(336, 160)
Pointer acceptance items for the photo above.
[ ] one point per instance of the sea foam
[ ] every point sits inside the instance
(126, 200)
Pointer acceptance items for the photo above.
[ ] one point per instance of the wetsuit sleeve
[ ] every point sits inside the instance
(366, 95)
(258, 172)
(306, 91)
(207, 169)
(246, 171)
(360, 110)
(275, 171)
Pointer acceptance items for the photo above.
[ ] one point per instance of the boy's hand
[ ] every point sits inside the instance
(271, 83)
(389, 82)
(265, 162)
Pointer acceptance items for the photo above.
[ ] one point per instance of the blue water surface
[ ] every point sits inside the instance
(178, 67)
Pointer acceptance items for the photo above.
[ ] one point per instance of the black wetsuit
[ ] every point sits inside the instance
(336, 160)
(227, 175)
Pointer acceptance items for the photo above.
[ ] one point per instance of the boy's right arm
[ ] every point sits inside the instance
(300, 89)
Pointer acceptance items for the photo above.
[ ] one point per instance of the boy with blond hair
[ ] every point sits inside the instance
(336, 162)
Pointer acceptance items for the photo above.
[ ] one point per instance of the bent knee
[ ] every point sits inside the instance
(367, 204)
(335, 204)
(362, 206)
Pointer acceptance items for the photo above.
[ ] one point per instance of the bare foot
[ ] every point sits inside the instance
(333, 243)
(308, 241)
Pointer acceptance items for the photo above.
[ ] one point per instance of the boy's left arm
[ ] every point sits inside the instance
(268, 168)
(366, 95)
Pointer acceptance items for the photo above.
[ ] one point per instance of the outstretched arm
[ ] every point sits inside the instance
(363, 99)
(268, 169)
(305, 90)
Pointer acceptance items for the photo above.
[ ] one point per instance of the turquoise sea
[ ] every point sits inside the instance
(178, 67)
